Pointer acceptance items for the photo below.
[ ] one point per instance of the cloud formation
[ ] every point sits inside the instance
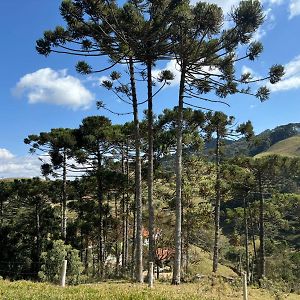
(28, 166)
(294, 8)
(174, 68)
(5, 154)
(254, 75)
(291, 79)
(12, 166)
(54, 87)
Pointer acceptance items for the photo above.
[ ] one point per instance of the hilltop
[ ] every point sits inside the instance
(283, 140)
(287, 147)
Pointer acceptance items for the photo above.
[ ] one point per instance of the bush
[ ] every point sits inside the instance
(52, 262)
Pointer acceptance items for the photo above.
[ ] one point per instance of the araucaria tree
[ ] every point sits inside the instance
(95, 29)
(97, 138)
(59, 145)
(221, 126)
(143, 32)
(206, 55)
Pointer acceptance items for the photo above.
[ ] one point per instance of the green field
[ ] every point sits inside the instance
(288, 147)
(124, 291)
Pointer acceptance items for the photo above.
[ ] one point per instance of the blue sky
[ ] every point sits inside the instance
(39, 93)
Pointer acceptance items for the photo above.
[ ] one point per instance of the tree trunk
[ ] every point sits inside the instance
(178, 169)
(64, 199)
(133, 249)
(253, 232)
(127, 210)
(217, 206)
(38, 238)
(246, 238)
(86, 258)
(117, 269)
(138, 180)
(187, 236)
(100, 212)
(150, 164)
(262, 259)
(123, 216)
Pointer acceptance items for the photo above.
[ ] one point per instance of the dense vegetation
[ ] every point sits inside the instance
(33, 210)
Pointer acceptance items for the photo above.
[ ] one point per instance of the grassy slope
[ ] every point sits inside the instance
(288, 147)
(204, 290)
(201, 263)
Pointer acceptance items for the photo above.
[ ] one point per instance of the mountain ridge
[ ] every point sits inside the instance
(264, 141)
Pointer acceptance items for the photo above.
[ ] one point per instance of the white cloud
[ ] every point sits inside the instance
(174, 68)
(291, 79)
(28, 166)
(277, 2)
(254, 75)
(18, 167)
(54, 87)
(5, 154)
(294, 8)
(293, 67)
(286, 85)
(259, 34)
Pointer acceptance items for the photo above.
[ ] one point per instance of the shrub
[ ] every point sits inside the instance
(52, 262)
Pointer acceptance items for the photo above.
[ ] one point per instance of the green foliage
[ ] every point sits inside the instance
(52, 262)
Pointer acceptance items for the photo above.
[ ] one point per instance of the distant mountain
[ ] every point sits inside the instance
(267, 142)
(287, 147)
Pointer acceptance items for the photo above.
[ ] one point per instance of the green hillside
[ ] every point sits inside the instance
(262, 142)
(288, 147)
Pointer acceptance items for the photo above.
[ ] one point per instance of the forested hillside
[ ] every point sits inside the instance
(264, 141)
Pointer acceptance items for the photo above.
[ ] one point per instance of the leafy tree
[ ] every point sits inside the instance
(52, 261)
(59, 144)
